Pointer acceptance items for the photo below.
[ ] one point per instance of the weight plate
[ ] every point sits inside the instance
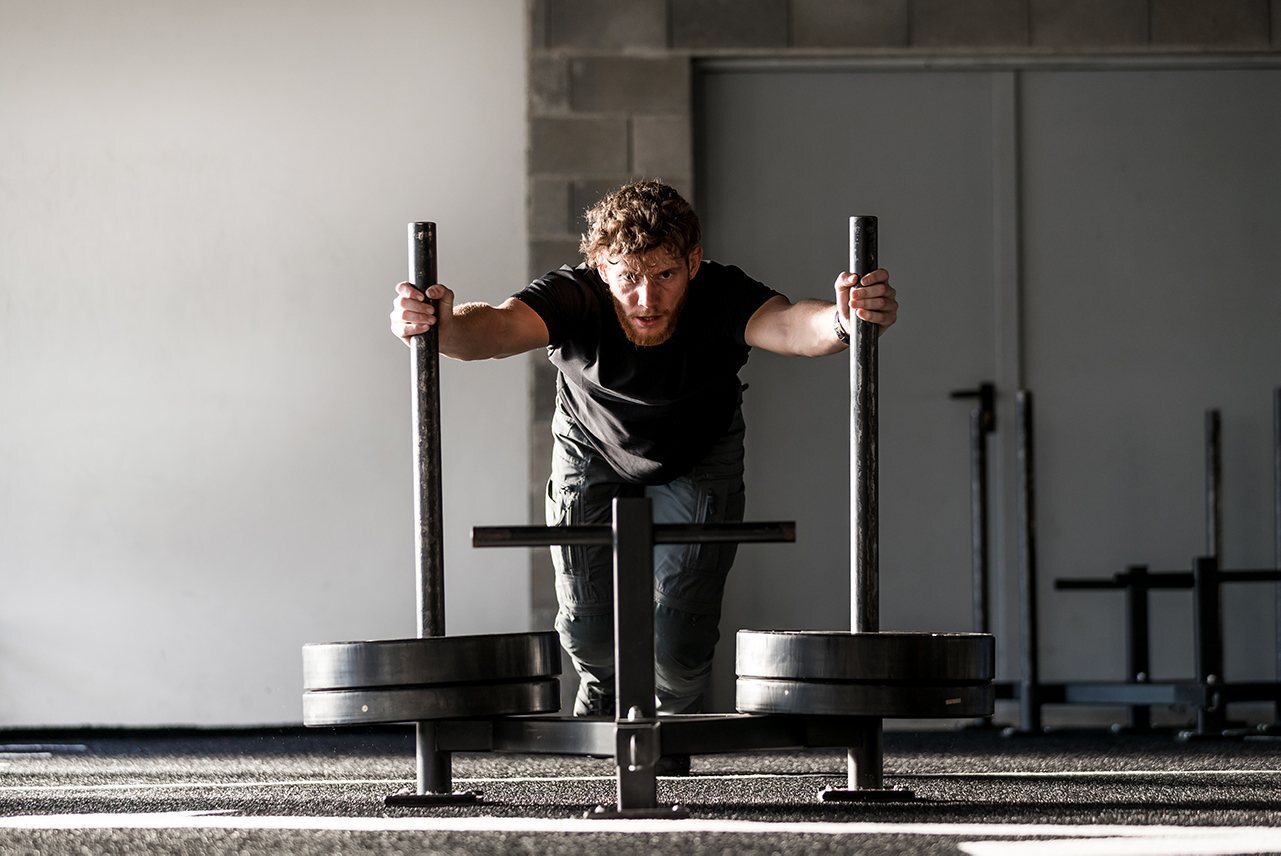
(434, 660)
(927, 658)
(911, 701)
(415, 704)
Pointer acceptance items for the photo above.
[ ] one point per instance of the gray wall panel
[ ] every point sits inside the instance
(1148, 202)
(786, 159)
(1152, 204)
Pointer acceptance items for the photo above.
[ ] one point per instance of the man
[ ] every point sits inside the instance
(648, 338)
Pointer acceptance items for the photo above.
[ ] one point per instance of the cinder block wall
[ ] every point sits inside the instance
(610, 95)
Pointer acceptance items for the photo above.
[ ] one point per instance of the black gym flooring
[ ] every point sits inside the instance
(305, 792)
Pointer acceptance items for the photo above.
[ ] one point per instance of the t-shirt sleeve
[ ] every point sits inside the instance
(559, 299)
(742, 297)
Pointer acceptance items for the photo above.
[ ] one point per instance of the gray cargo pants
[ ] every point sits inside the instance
(689, 579)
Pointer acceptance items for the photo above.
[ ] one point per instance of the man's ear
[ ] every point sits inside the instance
(695, 259)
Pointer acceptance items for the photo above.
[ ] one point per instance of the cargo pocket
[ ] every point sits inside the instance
(699, 587)
(580, 587)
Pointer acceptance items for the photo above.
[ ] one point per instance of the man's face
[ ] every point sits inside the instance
(649, 292)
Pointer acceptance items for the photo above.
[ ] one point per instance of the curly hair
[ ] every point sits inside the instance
(637, 218)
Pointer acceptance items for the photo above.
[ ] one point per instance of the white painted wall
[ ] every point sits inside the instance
(204, 424)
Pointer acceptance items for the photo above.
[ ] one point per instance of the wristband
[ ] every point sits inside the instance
(840, 331)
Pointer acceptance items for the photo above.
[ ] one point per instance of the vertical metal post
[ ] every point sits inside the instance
(1276, 476)
(434, 768)
(1276, 522)
(864, 761)
(435, 775)
(434, 781)
(865, 755)
(865, 612)
(1209, 612)
(1137, 649)
(637, 742)
(425, 370)
(982, 423)
(1208, 605)
(634, 607)
(1029, 695)
(634, 650)
(1213, 487)
(978, 521)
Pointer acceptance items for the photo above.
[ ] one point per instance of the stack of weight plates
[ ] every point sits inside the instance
(444, 677)
(892, 675)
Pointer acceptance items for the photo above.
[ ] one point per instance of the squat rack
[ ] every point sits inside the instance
(1208, 692)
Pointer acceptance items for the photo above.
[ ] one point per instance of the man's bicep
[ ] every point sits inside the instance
(525, 328)
(769, 325)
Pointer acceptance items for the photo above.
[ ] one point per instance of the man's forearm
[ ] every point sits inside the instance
(819, 329)
(474, 332)
(479, 331)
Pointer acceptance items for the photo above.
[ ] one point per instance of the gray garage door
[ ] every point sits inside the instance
(1106, 236)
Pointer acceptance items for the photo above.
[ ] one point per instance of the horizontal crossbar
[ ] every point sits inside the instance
(664, 533)
(1165, 580)
(684, 734)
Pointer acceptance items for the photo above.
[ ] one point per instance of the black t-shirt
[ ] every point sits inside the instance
(652, 412)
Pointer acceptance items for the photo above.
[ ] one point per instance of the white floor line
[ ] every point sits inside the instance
(1078, 774)
(470, 780)
(43, 747)
(290, 783)
(180, 786)
(7, 755)
(1231, 842)
(482, 780)
(1062, 838)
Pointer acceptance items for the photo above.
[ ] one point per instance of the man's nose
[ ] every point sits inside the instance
(644, 291)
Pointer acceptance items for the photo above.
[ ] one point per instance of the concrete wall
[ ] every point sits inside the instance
(204, 448)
